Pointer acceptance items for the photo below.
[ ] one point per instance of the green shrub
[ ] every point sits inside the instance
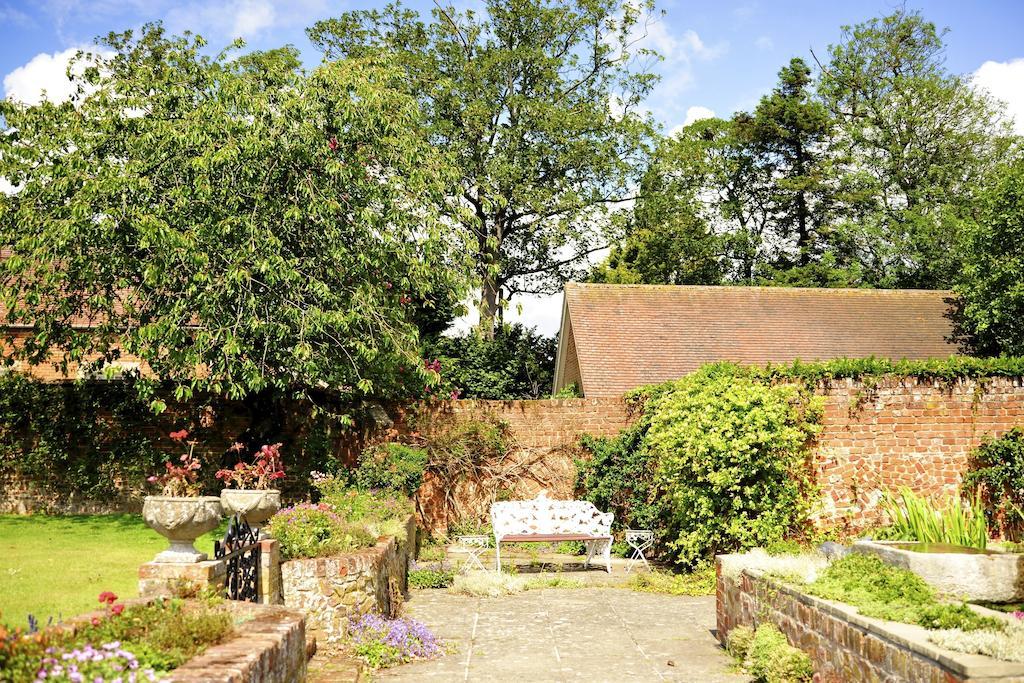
(739, 641)
(915, 518)
(997, 473)
(771, 659)
(733, 460)
(700, 581)
(308, 530)
(391, 467)
(431, 578)
(883, 591)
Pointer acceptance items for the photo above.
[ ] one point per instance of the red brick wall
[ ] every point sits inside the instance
(905, 433)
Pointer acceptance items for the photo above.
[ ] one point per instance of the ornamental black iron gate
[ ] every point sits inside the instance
(240, 550)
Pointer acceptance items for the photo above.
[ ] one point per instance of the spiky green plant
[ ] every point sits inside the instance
(955, 522)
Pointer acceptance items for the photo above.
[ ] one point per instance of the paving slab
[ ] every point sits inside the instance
(595, 634)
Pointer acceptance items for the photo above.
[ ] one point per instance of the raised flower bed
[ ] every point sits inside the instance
(843, 644)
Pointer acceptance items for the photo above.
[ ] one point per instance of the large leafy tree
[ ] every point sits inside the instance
(536, 102)
(515, 363)
(238, 223)
(991, 282)
(915, 141)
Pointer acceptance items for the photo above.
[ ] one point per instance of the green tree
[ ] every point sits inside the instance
(667, 239)
(788, 135)
(991, 282)
(239, 224)
(916, 141)
(516, 362)
(536, 102)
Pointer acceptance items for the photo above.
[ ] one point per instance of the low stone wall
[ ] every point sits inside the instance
(270, 647)
(170, 578)
(845, 646)
(331, 589)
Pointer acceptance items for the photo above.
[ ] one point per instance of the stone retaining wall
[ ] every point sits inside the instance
(845, 646)
(331, 589)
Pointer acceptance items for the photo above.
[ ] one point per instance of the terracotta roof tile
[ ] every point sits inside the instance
(627, 336)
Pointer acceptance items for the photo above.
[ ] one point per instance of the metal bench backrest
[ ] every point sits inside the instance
(544, 516)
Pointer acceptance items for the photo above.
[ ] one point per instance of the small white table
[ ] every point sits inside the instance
(474, 547)
(639, 540)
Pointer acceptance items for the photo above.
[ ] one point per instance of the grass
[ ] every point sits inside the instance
(699, 582)
(55, 566)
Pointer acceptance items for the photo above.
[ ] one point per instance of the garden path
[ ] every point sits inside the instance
(596, 634)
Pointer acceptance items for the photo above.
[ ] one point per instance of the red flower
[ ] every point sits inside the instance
(333, 144)
(117, 609)
(108, 597)
(179, 435)
(95, 621)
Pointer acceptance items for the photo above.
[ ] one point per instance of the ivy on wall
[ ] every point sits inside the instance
(719, 460)
(83, 438)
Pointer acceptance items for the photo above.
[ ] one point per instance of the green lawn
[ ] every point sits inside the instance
(57, 565)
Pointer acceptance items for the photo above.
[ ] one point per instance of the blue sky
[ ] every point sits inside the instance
(720, 56)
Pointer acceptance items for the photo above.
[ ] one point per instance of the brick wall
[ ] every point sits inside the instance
(844, 645)
(905, 433)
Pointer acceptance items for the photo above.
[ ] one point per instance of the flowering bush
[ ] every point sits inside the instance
(384, 642)
(308, 530)
(128, 644)
(180, 480)
(261, 474)
(108, 662)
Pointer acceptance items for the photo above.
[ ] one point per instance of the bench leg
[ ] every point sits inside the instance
(590, 553)
(497, 555)
(608, 555)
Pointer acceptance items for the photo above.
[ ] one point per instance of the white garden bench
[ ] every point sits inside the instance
(543, 520)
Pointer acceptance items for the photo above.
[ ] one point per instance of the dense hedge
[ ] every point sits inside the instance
(96, 442)
(718, 460)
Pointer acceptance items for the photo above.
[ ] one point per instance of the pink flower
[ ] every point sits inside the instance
(179, 435)
(116, 609)
(95, 621)
(333, 144)
(152, 479)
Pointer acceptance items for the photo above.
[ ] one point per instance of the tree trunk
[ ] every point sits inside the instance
(490, 306)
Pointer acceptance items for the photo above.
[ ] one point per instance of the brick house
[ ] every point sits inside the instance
(615, 338)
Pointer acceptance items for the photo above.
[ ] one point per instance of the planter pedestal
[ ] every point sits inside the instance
(181, 521)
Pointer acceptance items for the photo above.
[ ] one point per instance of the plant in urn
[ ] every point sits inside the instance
(250, 495)
(180, 514)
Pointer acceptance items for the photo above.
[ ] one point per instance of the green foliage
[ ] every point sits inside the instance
(391, 467)
(537, 103)
(230, 213)
(701, 581)
(516, 362)
(883, 591)
(162, 636)
(997, 474)
(568, 391)
(738, 642)
(771, 659)
(732, 460)
(915, 518)
(992, 250)
(79, 438)
(861, 178)
(431, 578)
(619, 477)
(312, 531)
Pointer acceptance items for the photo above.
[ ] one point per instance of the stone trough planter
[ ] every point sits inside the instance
(985, 576)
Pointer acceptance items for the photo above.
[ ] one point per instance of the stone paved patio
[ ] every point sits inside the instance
(597, 634)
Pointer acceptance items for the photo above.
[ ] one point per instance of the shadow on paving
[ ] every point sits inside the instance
(595, 634)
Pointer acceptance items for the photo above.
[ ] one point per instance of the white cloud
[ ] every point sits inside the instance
(12, 16)
(1005, 81)
(252, 16)
(43, 77)
(695, 113)
(764, 43)
(532, 310)
(694, 46)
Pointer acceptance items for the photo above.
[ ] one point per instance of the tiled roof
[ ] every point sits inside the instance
(627, 336)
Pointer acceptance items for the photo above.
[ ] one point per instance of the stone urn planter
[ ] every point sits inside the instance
(255, 506)
(181, 521)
